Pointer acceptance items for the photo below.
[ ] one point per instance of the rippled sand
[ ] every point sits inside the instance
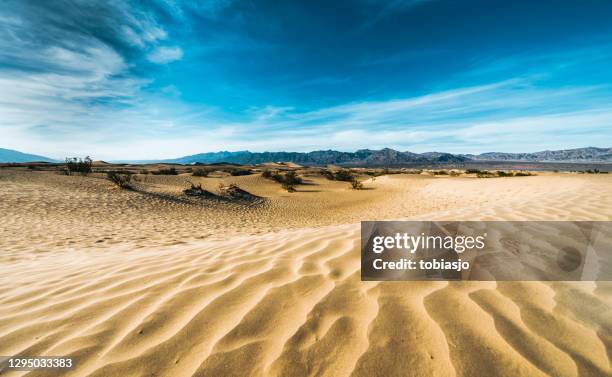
(134, 284)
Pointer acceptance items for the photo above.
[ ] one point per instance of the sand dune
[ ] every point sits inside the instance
(274, 290)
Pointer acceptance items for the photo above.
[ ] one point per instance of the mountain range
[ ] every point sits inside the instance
(390, 157)
(362, 157)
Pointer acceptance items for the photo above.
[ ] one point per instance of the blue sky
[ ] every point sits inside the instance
(157, 79)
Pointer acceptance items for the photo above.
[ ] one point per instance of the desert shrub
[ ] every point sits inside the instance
(522, 174)
(484, 174)
(287, 180)
(169, 171)
(454, 173)
(292, 178)
(356, 185)
(78, 165)
(505, 174)
(472, 171)
(344, 175)
(120, 180)
(440, 172)
(592, 171)
(327, 174)
(237, 172)
(200, 173)
(277, 177)
(288, 186)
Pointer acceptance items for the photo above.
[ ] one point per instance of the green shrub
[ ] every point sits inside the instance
(472, 171)
(522, 174)
(266, 174)
(505, 174)
(78, 165)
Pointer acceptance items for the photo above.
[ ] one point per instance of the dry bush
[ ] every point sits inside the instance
(78, 165)
(120, 180)
(169, 171)
(238, 172)
(200, 173)
(356, 185)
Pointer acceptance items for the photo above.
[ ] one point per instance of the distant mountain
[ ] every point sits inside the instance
(9, 155)
(362, 157)
(589, 154)
(390, 157)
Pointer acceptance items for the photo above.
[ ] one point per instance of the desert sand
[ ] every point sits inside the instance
(153, 284)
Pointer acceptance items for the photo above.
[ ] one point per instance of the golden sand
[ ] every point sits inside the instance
(151, 284)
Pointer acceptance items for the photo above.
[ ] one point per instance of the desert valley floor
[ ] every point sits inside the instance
(148, 282)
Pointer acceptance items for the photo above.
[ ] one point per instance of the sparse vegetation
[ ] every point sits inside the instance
(595, 171)
(200, 173)
(292, 178)
(121, 180)
(288, 180)
(233, 191)
(500, 173)
(238, 172)
(288, 186)
(356, 185)
(472, 171)
(440, 172)
(344, 175)
(327, 174)
(169, 171)
(78, 165)
(484, 174)
(197, 190)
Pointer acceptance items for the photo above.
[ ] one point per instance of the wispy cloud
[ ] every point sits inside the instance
(164, 55)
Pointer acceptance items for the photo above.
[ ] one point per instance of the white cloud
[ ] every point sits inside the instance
(164, 55)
